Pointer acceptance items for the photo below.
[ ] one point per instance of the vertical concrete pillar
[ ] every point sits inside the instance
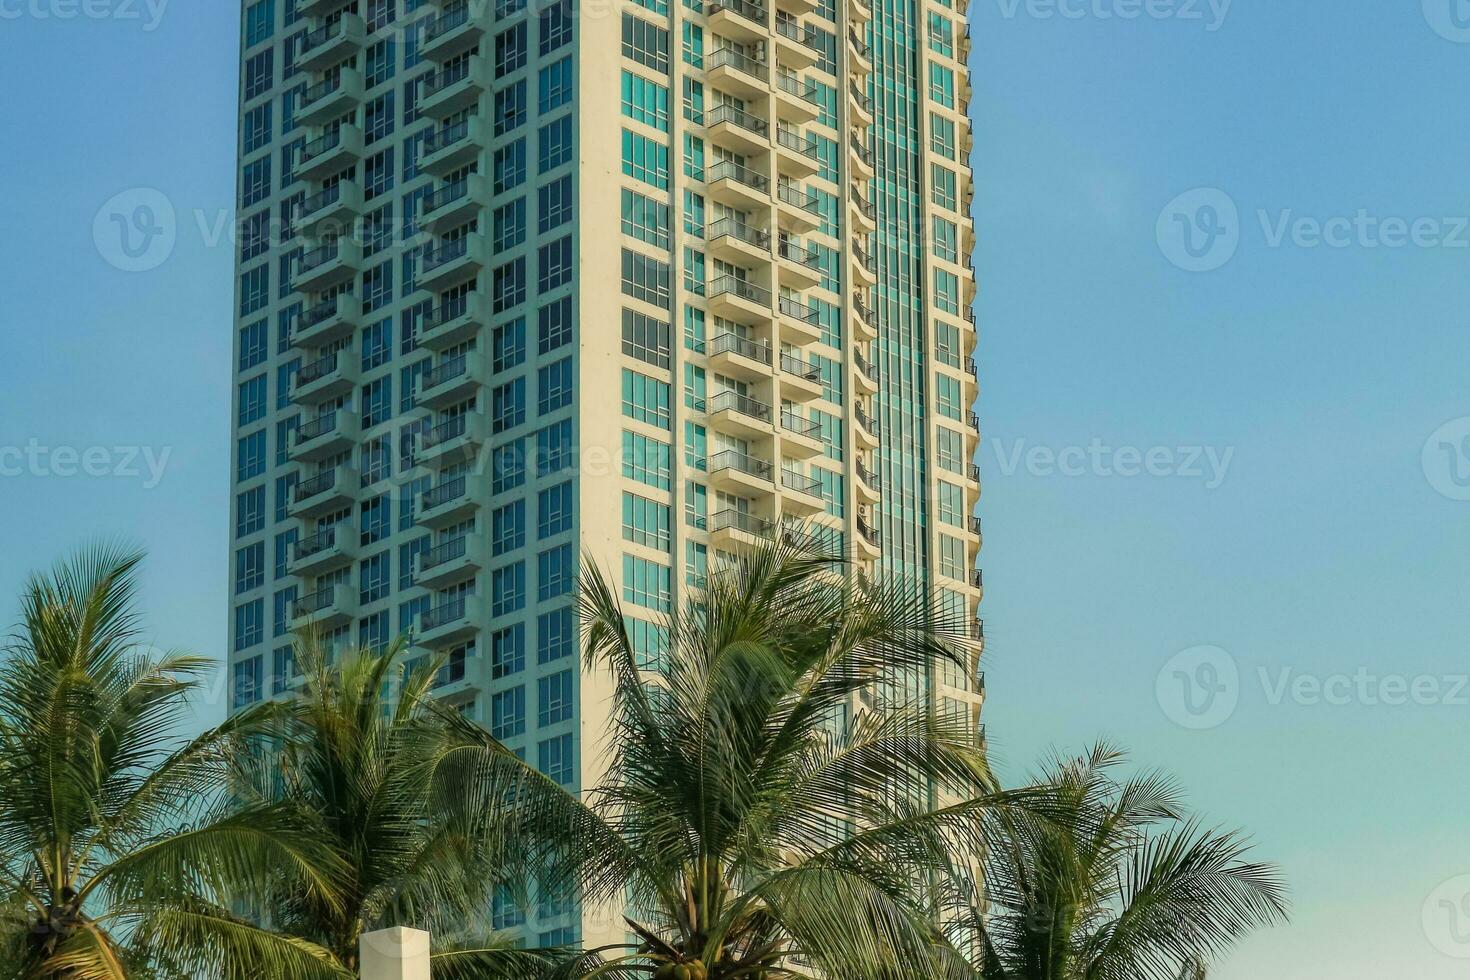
(394, 954)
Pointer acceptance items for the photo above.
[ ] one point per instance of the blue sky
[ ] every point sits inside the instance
(1250, 623)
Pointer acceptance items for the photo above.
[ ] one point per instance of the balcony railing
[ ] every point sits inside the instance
(442, 79)
(742, 521)
(797, 425)
(740, 174)
(793, 31)
(731, 58)
(792, 364)
(317, 92)
(320, 313)
(318, 484)
(794, 251)
(865, 366)
(864, 259)
(453, 368)
(448, 251)
(866, 315)
(868, 476)
(324, 199)
(798, 310)
(318, 257)
(860, 97)
(448, 194)
(312, 40)
(977, 578)
(859, 45)
(792, 85)
(797, 143)
(449, 551)
(730, 343)
(445, 612)
(737, 117)
(750, 11)
(447, 311)
(801, 484)
(734, 459)
(316, 370)
(864, 205)
(316, 544)
(863, 153)
(444, 493)
(315, 602)
(975, 525)
(869, 533)
(445, 136)
(445, 431)
(864, 420)
(437, 27)
(734, 401)
(742, 288)
(317, 427)
(739, 230)
(798, 198)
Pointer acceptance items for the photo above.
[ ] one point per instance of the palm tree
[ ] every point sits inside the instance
(1111, 880)
(422, 812)
(772, 807)
(116, 840)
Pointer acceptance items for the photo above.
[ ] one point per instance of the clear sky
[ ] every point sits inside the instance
(1222, 249)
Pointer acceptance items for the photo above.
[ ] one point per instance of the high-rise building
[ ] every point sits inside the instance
(503, 301)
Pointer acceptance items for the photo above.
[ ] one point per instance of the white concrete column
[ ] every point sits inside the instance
(394, 954)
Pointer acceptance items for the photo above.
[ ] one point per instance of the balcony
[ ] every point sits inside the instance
(741, 473)
(330, 154)
(325, 436)
(452, 33)
(798, 153)
(799, 323)
(457, 440)
(864, 268)
(867, 486)
(331, 44)
(450, 382)
(860, 10)
(454, 88)
(739, 300)
(454, 204)
(864, 321)
(452, 322)
(860, 51)
(334, 264)
(797, 209)
(738, 19)
(325, 609)
(452, 147)
(801, 438)
(326, 378)
(332, 98)
(734, 527)
(736, 186)
(737, 73)
(797, 46)
(450, 623)
(455, 499)
(862, 105)
(802, 494)
(796, 7)
(736, 242)
(325, 493)
(329, 320)
(796, 100)
(738, 129)
(864, 213)
(865, 433)
(319, 8)
(325, 551)
(740, 357)
(332, 209)
(732, 412)
(452, 262)
(866, 374)
(862, 159)
(867, 539)
(800, 380)
(800, 266)
(450, 562)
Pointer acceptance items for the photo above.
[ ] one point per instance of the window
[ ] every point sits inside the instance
(554, 386)
(377, 344)
(693, 46)
(508, 344)
(554, 264)
(941, 34)
(260, 21)
(554, 144)
(507, 527)
(507, 467)
(508, 713)
(645, 219)
(645, 160)
(941, 135)
(554, 86)
(250, 456)
(646, 399)
(508, 589)
(252, 400)
(554, 510)
(693, 101)
(554, 325)
(508, 405)
(259, 72)
(377, 401)
(951, 504)
(952, 560)
(379, 117)
(947, 397)
(645, 101)
(947, 344)
(376, 520)
(946, 291)
(555, 635)
(249, 512)
(510, 107)
(646, 460)
(554, 757)
(554, 450)
(946, 239)
(650, 644)
(646, 43)
(944, 182)
(507, 651)
(554, 204)
(255, 290)
(555, 27)
(257, 127)
(509, 165)
(556, 572)
(646, 338)
(950, 450)
(247, 682)
(508, 285)
(381, 59)
(941, 85)
(646, 522)
(645, 278)
(374, 578)
(647, 584)
(250, 567)
(510, 50)
(249, 624)
(554, 698)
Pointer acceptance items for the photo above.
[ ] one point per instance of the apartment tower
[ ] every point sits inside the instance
(649, 280)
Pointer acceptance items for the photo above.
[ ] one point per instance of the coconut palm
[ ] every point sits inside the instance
(115, 837)
(772, 803)
(1114, 881)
